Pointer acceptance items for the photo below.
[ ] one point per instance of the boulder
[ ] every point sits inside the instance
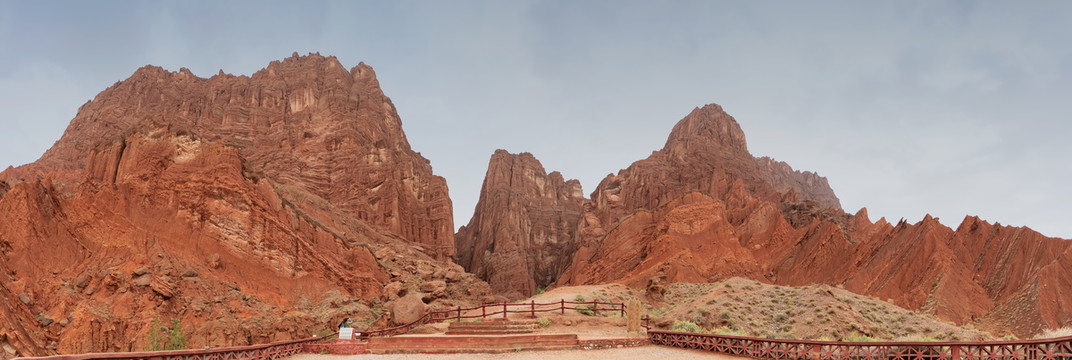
(434, 286)
(407, 309)
(392, 291)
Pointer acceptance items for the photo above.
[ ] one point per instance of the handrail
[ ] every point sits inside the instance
(267, 351)
(761, 348)
(281, 349)
(498, 309)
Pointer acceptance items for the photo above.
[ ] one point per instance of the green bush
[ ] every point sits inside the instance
(544, 322)
(726, 330)
(859, 338)
(177, 340)
(583, 309)
(161, 338)
(686, 326)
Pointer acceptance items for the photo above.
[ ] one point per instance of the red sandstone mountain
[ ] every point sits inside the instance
(305, 123)
(703, 209)
(521, 236)
(252, 209)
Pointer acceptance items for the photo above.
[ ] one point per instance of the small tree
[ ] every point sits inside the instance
(177, 340)
(156, 336)
(161, 338)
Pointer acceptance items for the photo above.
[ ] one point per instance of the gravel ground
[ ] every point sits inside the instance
(635, 353)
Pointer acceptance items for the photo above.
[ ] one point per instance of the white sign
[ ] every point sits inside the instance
(346, 333)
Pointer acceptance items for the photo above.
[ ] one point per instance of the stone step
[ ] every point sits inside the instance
(501, 320)
(473, 351)
(493, 326)
(487, 331)
(471, 343)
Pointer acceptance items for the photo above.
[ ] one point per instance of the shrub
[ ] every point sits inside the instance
(161, 338)
(724, 330)
(859, 338)
(544, 322)
(1055, 333)
(539, 291)
(177, 340)
(686, 326)
(155, 336)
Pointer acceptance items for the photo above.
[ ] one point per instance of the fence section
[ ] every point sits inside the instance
(502, 311)
(775, 349)
(276, 350)
(282, 349)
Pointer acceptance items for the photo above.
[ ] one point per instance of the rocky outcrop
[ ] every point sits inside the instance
(702, 210)
(106, 255)
(688, 240)
(304, 122)
(523, 230)
(249, 209)
(706, 152)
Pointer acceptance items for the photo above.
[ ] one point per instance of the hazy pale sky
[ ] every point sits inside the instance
(951, 108)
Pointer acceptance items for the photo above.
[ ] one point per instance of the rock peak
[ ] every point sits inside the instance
(707, 127)
(522, 233)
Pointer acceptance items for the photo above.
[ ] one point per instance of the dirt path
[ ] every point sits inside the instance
(636, 353)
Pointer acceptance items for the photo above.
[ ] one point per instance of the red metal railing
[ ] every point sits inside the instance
(282, 349)
(269, 351)
(757, 348)
(531, 308)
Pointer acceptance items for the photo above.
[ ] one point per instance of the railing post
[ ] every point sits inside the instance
(532, 309)
(595, 308)
(562, 306)
(459, 313)
(622, 305)
(483, 310)
(504, 310)
(954, 351)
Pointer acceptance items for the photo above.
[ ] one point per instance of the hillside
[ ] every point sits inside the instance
(703, 209)
(248, 208)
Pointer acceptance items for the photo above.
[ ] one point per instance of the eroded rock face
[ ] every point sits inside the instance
(522, 234)
(706, 152)
(251, 209)
(702, 209)
(106, 255)
(305, 122)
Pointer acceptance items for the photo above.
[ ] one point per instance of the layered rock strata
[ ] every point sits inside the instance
(248, 209)
(702, 209)
(305, 122)
(522, 233)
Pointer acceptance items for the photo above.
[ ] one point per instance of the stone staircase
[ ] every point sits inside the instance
(492, 327)
(471, 344)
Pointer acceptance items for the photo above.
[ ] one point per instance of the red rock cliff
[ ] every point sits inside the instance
(705, 152)
(523, 230)
(304, 122)
(702, 210)
(251, 209)
(167, 225)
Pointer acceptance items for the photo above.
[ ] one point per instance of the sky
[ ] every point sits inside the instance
(950, 108)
